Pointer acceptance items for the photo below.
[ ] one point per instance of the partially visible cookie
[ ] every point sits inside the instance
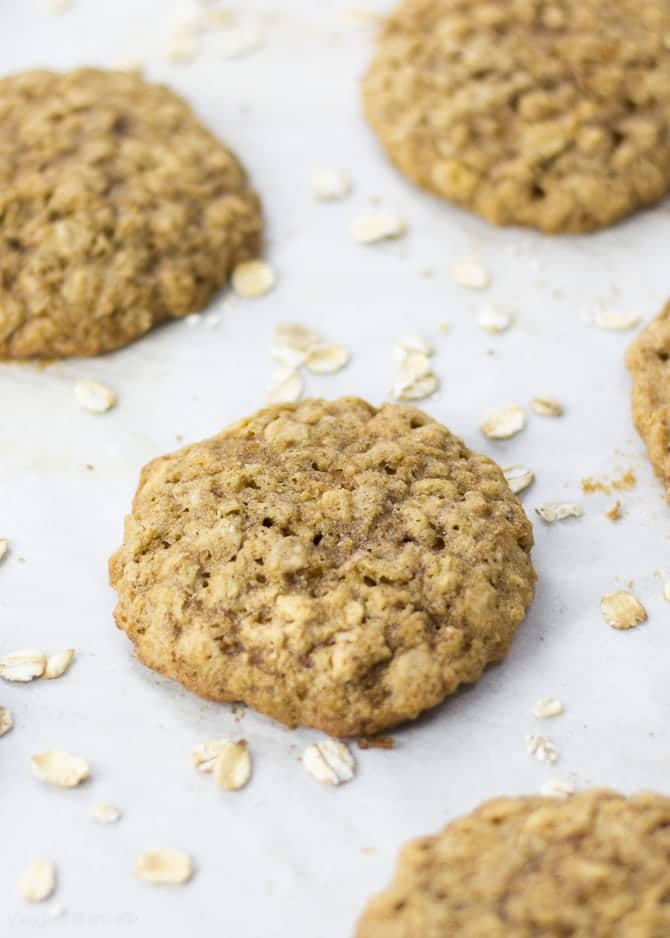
(328, 563)
(594, 866)
(648, 359)
(554, 115)
(118, 210)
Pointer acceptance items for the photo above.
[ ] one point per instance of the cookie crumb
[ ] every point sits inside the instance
(164, 867)
(376, 742)
(615, 513)
(622, 610)
(329, 761)
(503, 422)
(38, 881)
(624, 482)
(59, 768)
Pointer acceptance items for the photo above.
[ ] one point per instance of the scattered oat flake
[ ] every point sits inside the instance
(94, 397)
(615, 322)
(548, 707)
(330, 184)
(56, 767)
(519, 478)
(559, 511)
(542, 748)
(238, 42)
(252, 278)
(4, 548)
(295, 336)
(415, 388)
(329, 761)
(413, 343)
(38, 881)
(286, 387)
(615, 513)
(414, 363)
(105, 813)
(288, 357)
(381, 226)
(58, 664)
(376, 742)
(494, 319)
(59, 6)
(232, 766)
(204, 755)
(22, 666)
(6, 720)
(181, 47)
(470, 274)
(164, 867)
(622, 610)
(503, 422)
(666, 591)
(326, 358)
(546, 407)
(555, 788)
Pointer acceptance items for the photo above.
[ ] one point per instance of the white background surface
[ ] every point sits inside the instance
(288, 857)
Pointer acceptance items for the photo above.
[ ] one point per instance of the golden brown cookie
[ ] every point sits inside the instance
(118, 210)
(328, 563)
(548, 113)
(648, 360)
(594, 866)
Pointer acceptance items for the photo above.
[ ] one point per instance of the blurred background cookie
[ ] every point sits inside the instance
(554, 115)
(118, 210)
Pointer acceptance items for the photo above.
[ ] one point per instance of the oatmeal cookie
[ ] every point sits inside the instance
(553, 114)
(328, 563)
(118, 210)
(594, 866)
(648, 360)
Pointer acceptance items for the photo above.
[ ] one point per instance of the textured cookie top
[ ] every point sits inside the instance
(118, 210)
(648, 359)
(549, 114)
(331, 564)
(595, 866)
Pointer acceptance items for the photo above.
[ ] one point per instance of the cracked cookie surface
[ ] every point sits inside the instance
(648, 360)
(328, 563)
(554, 115)
(594, 866)
(118, 210)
